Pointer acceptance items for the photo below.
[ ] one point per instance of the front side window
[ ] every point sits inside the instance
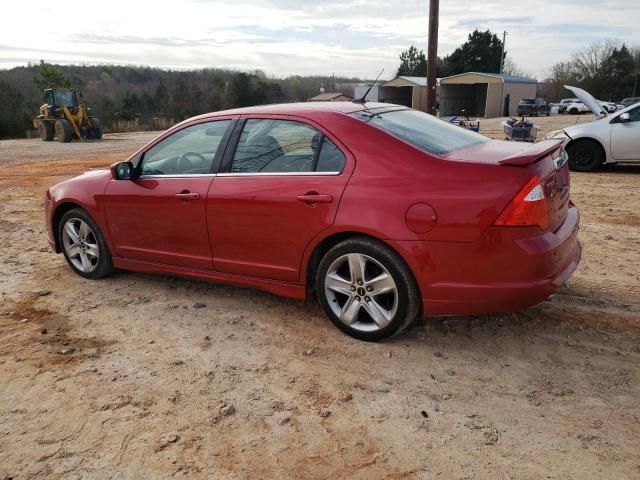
(283, 146)
(421, 130)
(188, 151)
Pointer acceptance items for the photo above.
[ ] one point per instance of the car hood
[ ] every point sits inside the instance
(586, 98)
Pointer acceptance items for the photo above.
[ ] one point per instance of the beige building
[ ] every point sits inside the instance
(484, 94)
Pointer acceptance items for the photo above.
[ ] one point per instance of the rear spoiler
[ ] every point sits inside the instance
(537, 151)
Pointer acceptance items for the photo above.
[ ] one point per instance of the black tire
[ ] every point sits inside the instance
(96, 125)
(406, 297)
(45, 129)
(585, 156)
(64, 130)
(574, 111)
(103, 265)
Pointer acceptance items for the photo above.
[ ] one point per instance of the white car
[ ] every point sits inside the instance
(613, 138)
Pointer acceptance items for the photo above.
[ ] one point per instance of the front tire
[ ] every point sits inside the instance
(64, 130)
(83, 245)
(96, 125)
(585, 156)
(366, 289)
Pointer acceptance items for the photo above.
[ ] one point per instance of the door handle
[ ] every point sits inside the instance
(311, 198)
(188, 195)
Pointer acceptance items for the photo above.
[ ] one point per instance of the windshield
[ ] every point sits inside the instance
(526, 101)
(63, 98)
(421, 130)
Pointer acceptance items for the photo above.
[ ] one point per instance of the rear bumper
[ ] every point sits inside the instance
(507, 270)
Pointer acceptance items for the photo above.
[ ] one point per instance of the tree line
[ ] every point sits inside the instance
(608, 70)
(127, 93)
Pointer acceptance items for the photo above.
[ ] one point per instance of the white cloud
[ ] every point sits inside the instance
(345, 37)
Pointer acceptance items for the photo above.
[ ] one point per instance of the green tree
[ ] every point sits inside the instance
(14, 116)
(480, 53)
(413, 63)
(161, 98)
(617, 77)
(50, 76)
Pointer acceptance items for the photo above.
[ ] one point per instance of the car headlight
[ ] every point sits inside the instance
(555, 135)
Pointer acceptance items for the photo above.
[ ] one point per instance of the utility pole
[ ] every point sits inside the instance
(504, 39)
(432, 55)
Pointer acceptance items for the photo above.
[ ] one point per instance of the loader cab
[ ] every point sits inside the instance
(61, 98)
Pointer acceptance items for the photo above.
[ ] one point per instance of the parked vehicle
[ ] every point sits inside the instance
(627, 102)
(610, 107)
(615, 138)
(382, 212)
(565, 102)
(576, 107)
(533, 106)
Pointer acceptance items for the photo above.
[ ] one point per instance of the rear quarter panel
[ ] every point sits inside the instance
(391, 175)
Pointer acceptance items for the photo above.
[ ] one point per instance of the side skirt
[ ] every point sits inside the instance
(283, 289)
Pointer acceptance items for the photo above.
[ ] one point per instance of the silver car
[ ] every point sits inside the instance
(612, 138)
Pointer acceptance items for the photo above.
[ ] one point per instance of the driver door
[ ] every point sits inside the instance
(160, 216)
(625, 137)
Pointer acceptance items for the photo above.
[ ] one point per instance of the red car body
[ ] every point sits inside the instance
(440, 213)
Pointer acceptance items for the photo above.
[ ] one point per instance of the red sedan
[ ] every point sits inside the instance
(380, 211)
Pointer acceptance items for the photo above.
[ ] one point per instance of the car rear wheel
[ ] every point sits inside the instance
(366, 289)
(83, 245)
(574, 111)
(585, 156)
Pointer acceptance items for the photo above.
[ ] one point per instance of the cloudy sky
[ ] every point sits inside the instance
(281, 37)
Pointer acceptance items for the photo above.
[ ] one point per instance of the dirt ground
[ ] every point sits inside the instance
(124, 378)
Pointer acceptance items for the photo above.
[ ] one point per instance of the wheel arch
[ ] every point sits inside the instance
(605, 154)
(56, 217)
(329, 241)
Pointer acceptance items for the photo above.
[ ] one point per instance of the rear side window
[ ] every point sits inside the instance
(330, 159)
(284, 146)
(421, 130)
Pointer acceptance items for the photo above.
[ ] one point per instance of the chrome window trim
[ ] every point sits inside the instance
(178, 175)
(278, 174)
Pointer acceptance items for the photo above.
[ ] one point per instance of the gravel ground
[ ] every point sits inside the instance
(125, 378)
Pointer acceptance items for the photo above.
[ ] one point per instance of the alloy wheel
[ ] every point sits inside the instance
(361, 292)
(80, 244)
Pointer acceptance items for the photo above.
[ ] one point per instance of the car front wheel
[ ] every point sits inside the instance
(585, 156)
(83, 245)
(366, 289)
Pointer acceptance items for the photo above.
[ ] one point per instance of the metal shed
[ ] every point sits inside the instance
(484, 94)
(407, 91)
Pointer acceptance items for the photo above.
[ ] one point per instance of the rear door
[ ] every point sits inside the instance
(625, 137)
(279, 186)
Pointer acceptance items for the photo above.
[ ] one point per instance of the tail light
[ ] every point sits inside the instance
(528, 208)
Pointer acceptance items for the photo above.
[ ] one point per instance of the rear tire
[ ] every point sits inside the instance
(574, 111)
(83, 245)
(45, 129)
(96, 125)
(64, 130)
(376, 302)
(585, 156)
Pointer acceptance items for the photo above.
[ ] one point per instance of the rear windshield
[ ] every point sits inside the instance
(421, 130)
(526, 101)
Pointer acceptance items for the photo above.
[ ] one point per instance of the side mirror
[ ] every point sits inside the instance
(122, 171)
(624, 117)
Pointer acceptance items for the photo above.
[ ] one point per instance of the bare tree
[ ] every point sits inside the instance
(588, 61)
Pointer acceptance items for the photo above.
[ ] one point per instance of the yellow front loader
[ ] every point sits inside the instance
(61, 116)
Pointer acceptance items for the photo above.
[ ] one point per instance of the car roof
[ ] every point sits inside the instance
(299, 108)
